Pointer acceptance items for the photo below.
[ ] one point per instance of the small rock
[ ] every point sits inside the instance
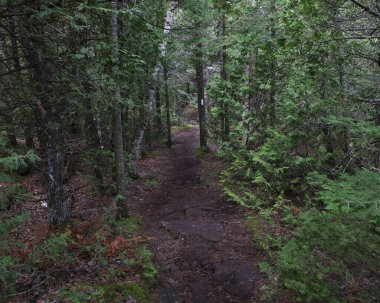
(208, 230)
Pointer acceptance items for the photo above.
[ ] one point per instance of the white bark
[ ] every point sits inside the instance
(136, 151)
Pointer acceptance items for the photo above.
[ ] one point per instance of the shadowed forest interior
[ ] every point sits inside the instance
(190, 151)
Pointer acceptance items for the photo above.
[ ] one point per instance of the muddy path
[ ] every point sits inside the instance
(202, 247)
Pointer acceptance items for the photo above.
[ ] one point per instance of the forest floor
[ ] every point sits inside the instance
(202, 246)
(203, 251)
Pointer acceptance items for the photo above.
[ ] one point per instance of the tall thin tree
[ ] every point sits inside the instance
(122, 210)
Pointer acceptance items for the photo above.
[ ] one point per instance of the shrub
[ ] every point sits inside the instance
(15, 162)
(52, 250)
(9, 270)
(335, 251)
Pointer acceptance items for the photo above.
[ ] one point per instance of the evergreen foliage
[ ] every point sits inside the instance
(287, 89)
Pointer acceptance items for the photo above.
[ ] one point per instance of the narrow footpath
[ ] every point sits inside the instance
(201, 244)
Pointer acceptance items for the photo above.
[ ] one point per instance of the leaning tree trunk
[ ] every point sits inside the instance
(117, 126)
(152, 90)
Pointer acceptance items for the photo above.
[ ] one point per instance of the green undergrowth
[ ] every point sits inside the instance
(180, 128)
(151, 182)
(121, 264)
(130, 278)
(107, 293)
(14, 162)
(323, 251)
(9, 265)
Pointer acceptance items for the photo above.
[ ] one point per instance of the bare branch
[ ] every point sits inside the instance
(366, 8)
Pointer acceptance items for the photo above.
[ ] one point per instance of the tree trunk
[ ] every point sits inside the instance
(273, 66)
(122, 210)
(152, 90)
(11, 134)
(225, 125)
(201, 97)
(343, 86)
(28, 137)
(49, 129)
(136, 151)
(12, 53)
(158, 111)
(248, 100)
(167, 106)
(93, 139)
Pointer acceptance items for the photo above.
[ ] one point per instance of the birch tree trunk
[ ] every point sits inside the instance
(136, 151)
(122, 211)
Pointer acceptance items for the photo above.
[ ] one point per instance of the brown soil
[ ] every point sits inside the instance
(202, 246)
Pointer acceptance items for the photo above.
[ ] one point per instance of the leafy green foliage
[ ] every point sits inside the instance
(9, 265)
(302, 153)
(145, 257)
(52, 250)
(108, 293)
(7, 225)
(336, 250)
(8, 274)
(152, 182)
(125, 227)
(13, 196)
(258, 229)
(357, 193)
(14, 161)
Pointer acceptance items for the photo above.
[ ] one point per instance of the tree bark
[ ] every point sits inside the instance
(167, 107)
(158, 111)
(201, 98)
(273, 66)
(248, 100)
(93, 139)
(49, 128)
(122, 210)
(152, 90)
(225, 125)
(28, 138)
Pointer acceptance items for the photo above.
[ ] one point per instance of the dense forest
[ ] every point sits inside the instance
(190, 151)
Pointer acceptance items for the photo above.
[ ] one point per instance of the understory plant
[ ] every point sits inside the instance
(334, 253)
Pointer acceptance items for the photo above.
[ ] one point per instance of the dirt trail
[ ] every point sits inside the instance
(202, 245)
